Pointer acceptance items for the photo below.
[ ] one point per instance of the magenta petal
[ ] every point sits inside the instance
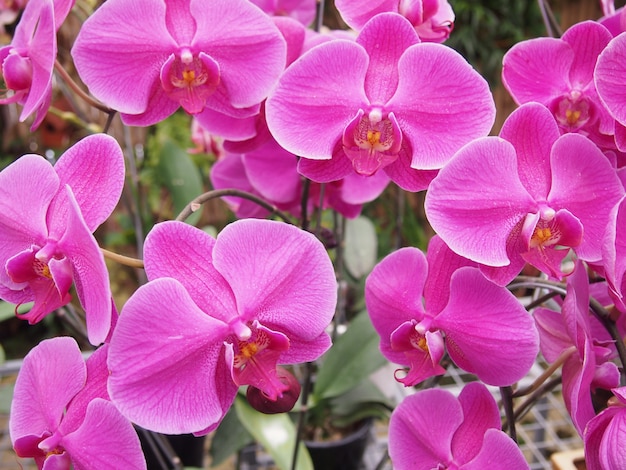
(358, 189)
(298, 118)
(42, 52)
(552, 332)
(117, 444)
(94, 169)
(498, 451)
(393, 294)
(480, 413)
(453, 106)
(183, 252)
(233, 32)
(326, 171)
(587, 39)
(537, 69)
(357, 12)
(23, 209)
(479, 322)
(52, 373)
(595, 448)
(160, 107)
(129, 54)
(405, 176)
(442, 262)
(385, 38)
(609, 77)
(532, 130)
(585, 183)
(421, 430)
(91, 276)
(272, 171)
(612, 452)
(465, 204)
(294, 293)
(164, 357)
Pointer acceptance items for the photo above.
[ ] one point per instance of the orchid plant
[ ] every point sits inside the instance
(302, 130)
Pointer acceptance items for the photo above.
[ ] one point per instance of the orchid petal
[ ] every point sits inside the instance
(309, 123)
(233, 32)
(587, 39)
(90, 272)
(155, 344)
(442, 262)
(454, 104)
(416, 440)
(26, 188)
(94, 169)
(612, 452)
(466, 208)
(358, 189)
(609, 73)
(326, 171)
(357, 12)
(532, 130)
(42, 52)
(294, 292)
(480, 413)
(537, 70)
(385, 38)
(117, 445)
(393, 293)
(129, 54)
(498, 451)
(51, 374)
(584, 183)
(183, 252)
(479, 321)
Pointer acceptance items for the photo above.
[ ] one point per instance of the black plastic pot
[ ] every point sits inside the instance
(344, 454)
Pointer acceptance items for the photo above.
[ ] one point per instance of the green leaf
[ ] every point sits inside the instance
(353, 358)
(276, 433)
(178, 173)
(230, 437)
(361, 246)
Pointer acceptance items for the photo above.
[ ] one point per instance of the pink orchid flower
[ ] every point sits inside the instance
(419, 303)
(47, 217)
(574, 330)
(558, 73)
(433, 429)
(27, 63)
(392, 105)
(217, 314)
(61, 414)
(525, 197)
(605, 434)
(432, 19)
(217, 58)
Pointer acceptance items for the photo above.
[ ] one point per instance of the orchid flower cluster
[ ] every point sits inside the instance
(305, 120)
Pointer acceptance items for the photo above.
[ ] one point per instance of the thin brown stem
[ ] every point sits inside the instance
(194, 205)
(79, 91)
(546, 373)
(125, 260)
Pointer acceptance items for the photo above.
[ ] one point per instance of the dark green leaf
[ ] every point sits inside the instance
(353, 358)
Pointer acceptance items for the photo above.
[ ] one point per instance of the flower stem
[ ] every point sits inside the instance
(74, 86)
(507, 404)
(546, 373)
(194, 205)
(125, 260)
